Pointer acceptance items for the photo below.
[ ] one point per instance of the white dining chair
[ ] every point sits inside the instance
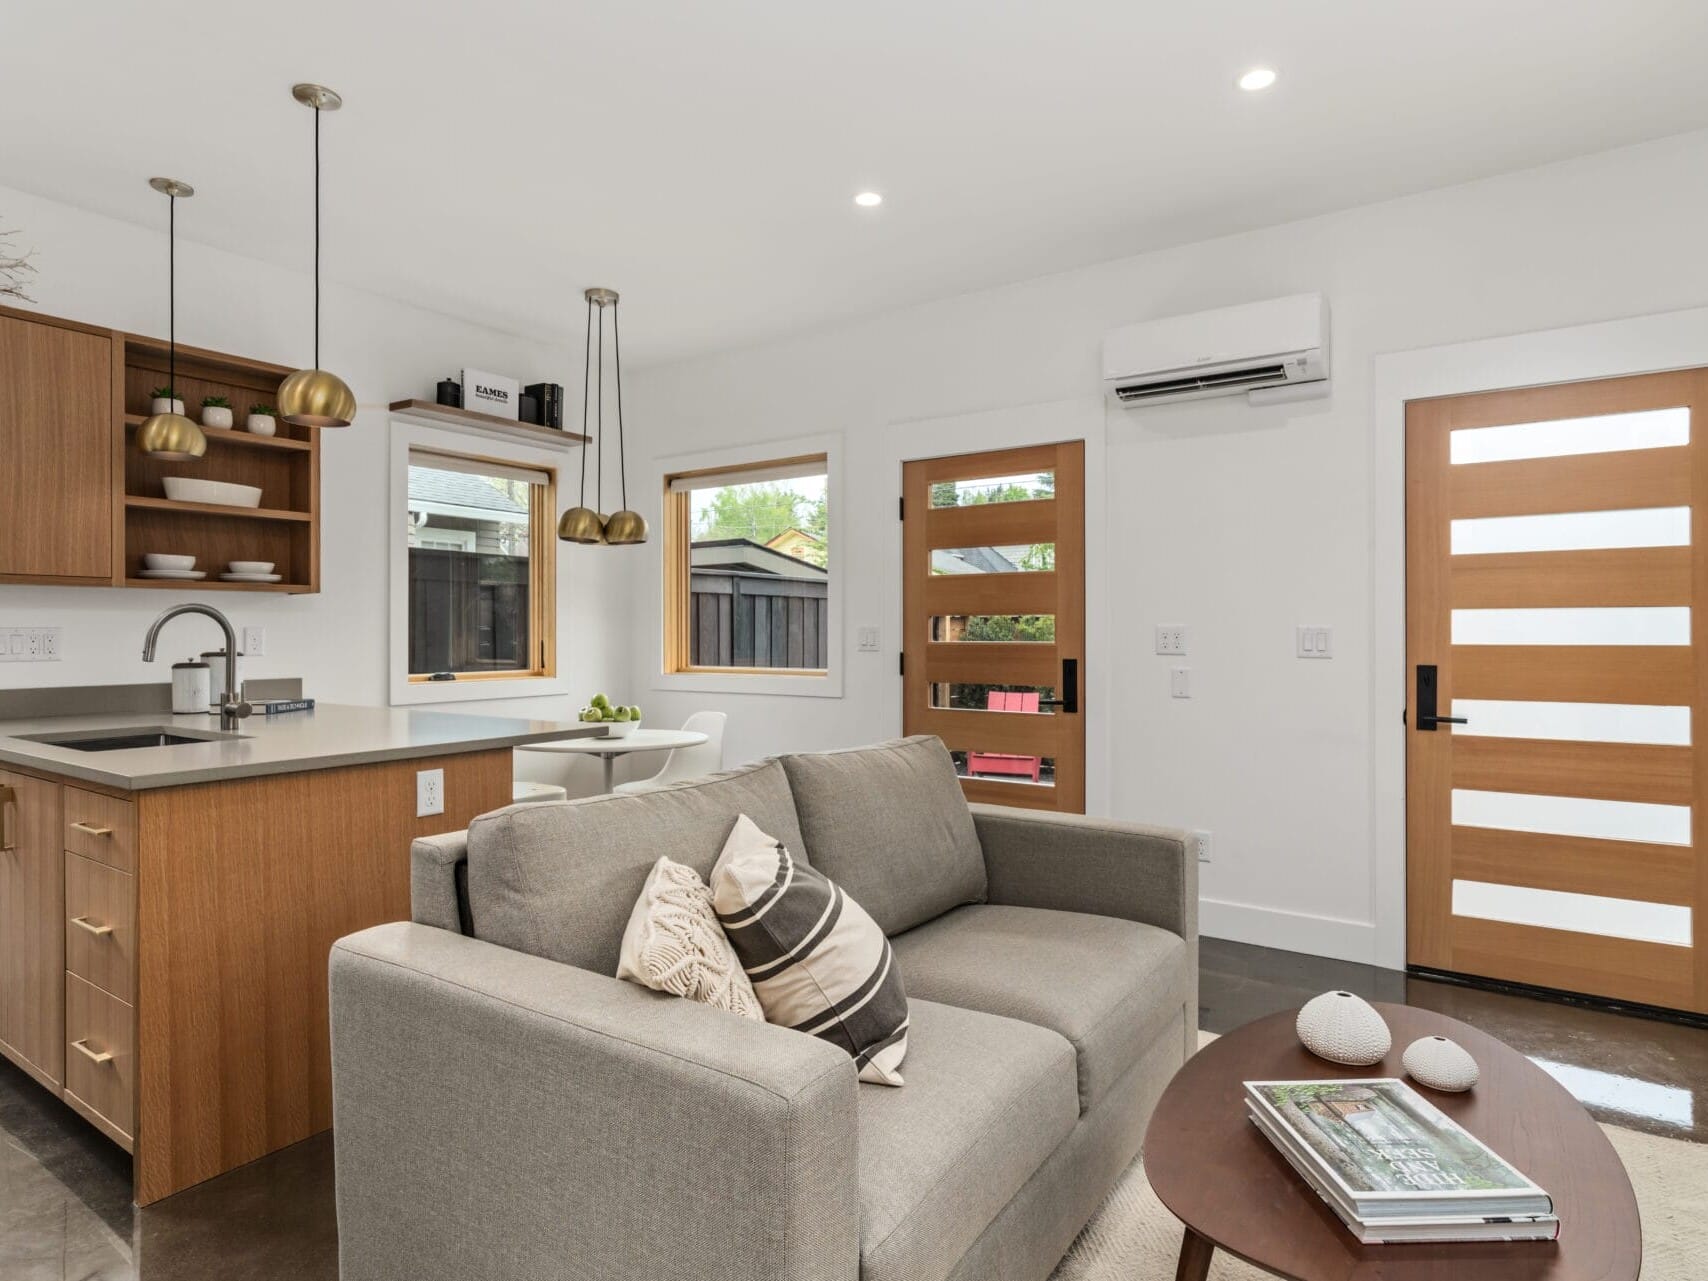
(688, 762)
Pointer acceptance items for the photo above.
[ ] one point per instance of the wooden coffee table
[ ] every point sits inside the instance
(1235, 1192)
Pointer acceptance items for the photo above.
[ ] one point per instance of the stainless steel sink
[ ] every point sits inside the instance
(125, 737)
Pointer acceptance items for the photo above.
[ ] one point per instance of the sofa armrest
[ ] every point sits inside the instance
(501, 1115)
(438, 881)
(1034, 858)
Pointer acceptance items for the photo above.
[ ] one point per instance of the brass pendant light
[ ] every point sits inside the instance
(583, 524)
(171, 435)
(315, 397)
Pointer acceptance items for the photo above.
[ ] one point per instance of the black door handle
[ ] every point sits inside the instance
(1069, 701)
(1427, 720)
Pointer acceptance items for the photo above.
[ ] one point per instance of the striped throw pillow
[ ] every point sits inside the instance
(818, 963)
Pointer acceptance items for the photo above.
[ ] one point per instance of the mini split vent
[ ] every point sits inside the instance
(1271, 350)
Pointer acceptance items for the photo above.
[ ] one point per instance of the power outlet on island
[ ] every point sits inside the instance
(429, 792)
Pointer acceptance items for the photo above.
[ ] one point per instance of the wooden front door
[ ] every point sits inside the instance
(993, 657)
(1558, 676)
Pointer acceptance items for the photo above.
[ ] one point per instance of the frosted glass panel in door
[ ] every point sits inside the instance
(1572, 531)
(1585, 913)
(1581, 722)
(1572, 816)
(1660, 625)
(1604, 433)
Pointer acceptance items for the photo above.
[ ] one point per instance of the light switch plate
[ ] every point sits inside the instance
(1315, 641)
(866, 639)
(30, 644)
(429, 792)
(1180, 682)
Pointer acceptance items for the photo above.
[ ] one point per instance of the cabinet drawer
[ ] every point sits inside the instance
(100, 926)
(100, 1062)
(101, 827)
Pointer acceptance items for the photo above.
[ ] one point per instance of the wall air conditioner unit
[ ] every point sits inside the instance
(1273, 351)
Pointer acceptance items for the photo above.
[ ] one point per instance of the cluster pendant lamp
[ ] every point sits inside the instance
(315, 397)
(171, 435)
(581, 523)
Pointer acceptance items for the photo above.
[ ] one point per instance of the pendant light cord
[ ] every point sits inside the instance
(599, 419)
(317, 237)
(586, 384)
(622, 454)
(171, 300)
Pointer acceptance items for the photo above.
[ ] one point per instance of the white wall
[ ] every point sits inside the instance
(1238, 522)
(107, 272)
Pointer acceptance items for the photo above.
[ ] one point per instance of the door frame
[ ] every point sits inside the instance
(1609, 349)
(1083, 419)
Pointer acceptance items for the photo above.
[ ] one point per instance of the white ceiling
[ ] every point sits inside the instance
(493, 158)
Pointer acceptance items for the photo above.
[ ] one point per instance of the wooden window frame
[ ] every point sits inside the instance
(678, 548)
(542, 574)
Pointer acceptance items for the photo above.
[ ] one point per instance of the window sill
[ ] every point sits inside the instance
(476, 689)
(713, 681)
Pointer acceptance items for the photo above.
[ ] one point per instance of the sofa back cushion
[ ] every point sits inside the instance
(559, 880)
(890, 825)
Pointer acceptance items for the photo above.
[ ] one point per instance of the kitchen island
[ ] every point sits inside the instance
(166, 911)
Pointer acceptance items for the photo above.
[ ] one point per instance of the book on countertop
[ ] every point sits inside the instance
(277, 706)
(1393, 1167)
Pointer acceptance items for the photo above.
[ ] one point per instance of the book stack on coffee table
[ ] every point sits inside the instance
(1395, 1168)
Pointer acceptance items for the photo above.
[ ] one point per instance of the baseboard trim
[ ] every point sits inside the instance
(1288, 931)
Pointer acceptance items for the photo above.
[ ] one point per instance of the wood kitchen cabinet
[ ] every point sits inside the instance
(32, 928)
(56, 451)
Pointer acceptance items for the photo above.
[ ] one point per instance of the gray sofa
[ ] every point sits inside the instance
(504, 1108)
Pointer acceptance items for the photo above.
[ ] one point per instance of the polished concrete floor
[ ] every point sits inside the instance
(65, 1212)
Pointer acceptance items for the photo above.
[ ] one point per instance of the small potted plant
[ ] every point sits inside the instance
(165, 401)
(262, 420)
(216, 411)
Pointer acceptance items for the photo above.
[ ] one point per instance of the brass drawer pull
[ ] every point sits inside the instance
(94, 1056)
(83, 923)
(8, 798)
(89, 829)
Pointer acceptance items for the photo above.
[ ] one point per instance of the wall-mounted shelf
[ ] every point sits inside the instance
(216, 509)
(232, 436)
(485, 424)
(211, 584)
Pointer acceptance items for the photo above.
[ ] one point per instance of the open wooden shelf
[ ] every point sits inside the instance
(474, 420)
(213, 584)
(217, 509)
(232, 436)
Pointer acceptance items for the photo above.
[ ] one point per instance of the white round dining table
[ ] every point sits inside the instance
(609, 749)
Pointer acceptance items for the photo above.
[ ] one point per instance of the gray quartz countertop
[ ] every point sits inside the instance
(329, 737)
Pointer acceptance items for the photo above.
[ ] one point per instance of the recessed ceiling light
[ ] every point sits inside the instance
(868, 200)
(1257, 78)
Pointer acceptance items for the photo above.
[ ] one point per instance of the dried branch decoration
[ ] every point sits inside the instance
(13, 269)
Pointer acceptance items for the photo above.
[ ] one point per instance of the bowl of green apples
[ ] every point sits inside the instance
(619, 721)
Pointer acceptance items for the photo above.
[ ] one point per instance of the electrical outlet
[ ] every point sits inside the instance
(866, 638)
(1315, 641)
(1170, 638)
(254, 642)
(429, 792)
(1200, 840)
(29, 644)
(1180, 682)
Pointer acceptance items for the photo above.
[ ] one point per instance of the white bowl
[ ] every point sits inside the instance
(619, 729)
(192, 489)
(251, 567)
(155, 560)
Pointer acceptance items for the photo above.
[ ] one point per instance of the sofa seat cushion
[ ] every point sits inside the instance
(1107, 985)
(890, 825)
(987, 1101)
(559, 880)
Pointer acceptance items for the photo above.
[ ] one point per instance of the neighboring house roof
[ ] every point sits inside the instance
(433, 490)
(795, 538)
(743, 555)
(976, 560)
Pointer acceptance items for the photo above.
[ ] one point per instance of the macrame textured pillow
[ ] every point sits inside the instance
(673, 943)
(818, 962)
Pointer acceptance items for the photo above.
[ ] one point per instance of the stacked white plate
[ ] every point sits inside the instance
(251, 571)
(160, 565)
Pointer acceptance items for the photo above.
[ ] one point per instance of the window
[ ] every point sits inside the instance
(481, 568)
(747, 569)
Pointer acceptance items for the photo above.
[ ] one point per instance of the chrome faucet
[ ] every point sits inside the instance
(231, 708)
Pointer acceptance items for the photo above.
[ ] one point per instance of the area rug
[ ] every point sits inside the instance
(1133, 1237)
